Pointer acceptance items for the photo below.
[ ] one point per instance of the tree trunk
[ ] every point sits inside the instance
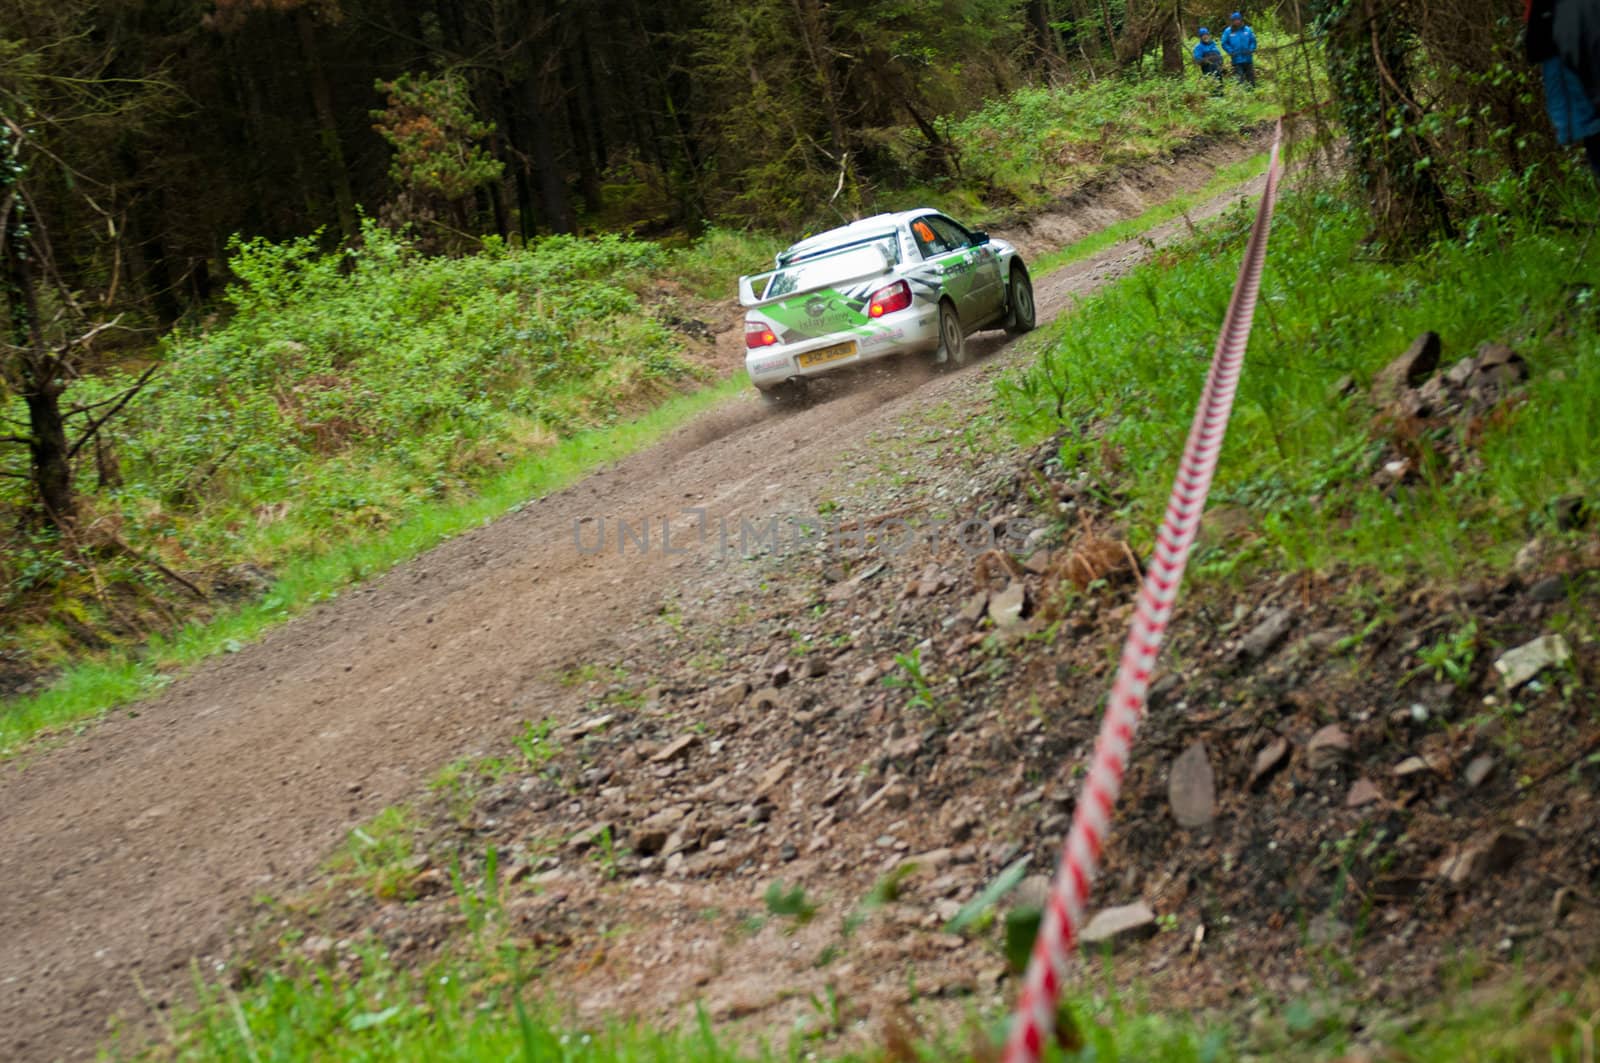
(591, 99)
(658, 81)
(52, 473)
(1171, 33)
(1047, 42)
(107, 467)
(1111, 31)
(516, 162)
(158, 282)
(150, 270)
(41, 390)
(578, 130)
(1366, 56)
(327, 124)
(552, 187)
(1139, 27)
(886, 86)
(814, 36)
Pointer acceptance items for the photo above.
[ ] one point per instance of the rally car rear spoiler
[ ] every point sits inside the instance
(827, 271)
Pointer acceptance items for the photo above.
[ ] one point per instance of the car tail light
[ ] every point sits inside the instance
(757, 334)
(896, 296)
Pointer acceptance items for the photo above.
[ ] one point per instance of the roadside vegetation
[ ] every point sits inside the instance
(351, 408)
(1178, 206)
(1328, 477)
(1037, 143)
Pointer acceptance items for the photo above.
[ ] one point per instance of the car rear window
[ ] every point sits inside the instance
(890, 245)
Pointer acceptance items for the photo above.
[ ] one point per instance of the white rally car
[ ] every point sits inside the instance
(913, 281)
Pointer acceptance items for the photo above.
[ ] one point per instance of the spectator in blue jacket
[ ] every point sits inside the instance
(1239, 41)
(1563, 38)
(1209, 56)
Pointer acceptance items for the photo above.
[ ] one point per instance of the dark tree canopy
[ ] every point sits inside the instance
(215, 117)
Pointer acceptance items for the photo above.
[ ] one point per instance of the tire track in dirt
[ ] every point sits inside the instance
(130, 852)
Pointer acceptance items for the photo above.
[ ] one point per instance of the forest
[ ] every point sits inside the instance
(173, 126)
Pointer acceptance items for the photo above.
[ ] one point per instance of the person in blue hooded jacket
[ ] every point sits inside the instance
(1563, 38)
(1209, 56)
(1239, 41)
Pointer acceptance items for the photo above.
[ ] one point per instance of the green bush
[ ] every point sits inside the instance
(710, 267)
(349, 384)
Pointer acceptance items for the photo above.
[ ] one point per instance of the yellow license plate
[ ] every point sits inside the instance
(823, 355)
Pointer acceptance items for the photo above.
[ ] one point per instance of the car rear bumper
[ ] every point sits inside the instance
(911, 330)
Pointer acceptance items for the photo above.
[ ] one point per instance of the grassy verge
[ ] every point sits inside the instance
(1029, 148)
(487, 1002)
(491, 1005)
(390, 1014)
(710, 267)
(97, 685)
(1308, 456)
(1227, 177)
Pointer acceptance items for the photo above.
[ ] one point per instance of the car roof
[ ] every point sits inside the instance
(863, 229)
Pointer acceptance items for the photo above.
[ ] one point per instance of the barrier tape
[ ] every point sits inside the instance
(1034, 1021)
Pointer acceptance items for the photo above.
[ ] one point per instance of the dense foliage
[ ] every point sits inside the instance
(334, 364)
(344, 390)
(1435, 100)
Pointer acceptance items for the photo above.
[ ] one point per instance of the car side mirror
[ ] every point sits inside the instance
(979, 239)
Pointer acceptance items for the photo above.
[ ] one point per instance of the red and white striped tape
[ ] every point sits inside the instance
(1080, 855)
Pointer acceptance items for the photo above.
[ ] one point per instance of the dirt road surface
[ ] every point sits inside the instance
(128, 854)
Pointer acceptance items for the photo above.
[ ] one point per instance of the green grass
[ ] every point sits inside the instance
(1129, 363)
(1040, 141)
(1226, 178)
(118, 678)
(377, 855)
(489, 1003)
(1505, 1021)
(1511, 1023)
(390, 1014)
(711, 266)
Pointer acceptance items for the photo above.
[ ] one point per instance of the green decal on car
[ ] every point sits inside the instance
(814, 314)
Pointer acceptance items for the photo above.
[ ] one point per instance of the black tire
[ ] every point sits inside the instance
(952, 338)
(1022, 316)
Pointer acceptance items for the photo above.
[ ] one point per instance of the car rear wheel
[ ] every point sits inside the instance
(1020, 295)
(952, 339)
